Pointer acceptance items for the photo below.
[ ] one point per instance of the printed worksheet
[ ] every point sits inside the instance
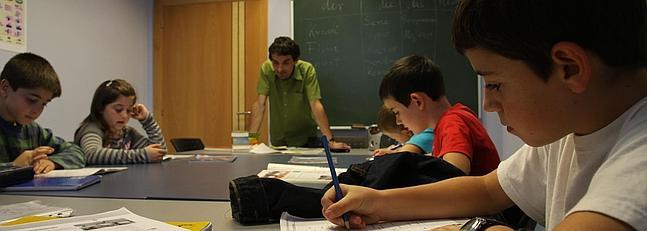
(119, 219)
(31, 208)
(292, 223)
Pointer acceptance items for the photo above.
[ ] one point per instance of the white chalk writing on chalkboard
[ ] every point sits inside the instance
(379, 22)
(387, 4)
(418, 20)
(353, 43)
(332, 5)
(447, 3)
(315, 31)
(417, 4)
(414, 36)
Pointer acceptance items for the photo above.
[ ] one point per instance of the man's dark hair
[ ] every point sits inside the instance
(30, 71)
(284, 46)
(528, 29)
(412, 74)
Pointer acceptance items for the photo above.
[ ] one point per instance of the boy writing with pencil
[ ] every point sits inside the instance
(27, 84)
(414, 91)
(569, 78)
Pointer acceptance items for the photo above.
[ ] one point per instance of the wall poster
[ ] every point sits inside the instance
(12, 21)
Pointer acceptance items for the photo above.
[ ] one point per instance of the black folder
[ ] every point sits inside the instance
(10, 175)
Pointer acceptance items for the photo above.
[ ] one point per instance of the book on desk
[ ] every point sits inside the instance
(54, 184)
(193, 226)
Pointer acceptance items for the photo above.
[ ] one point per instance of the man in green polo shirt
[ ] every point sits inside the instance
(295, 99)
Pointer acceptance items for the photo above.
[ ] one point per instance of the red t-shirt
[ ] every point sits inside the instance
(459, 130)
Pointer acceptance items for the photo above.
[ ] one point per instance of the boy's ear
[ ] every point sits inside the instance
(416, 100)
(4, 87)
(572, 65)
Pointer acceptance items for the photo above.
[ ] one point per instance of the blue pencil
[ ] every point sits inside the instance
(335, 181)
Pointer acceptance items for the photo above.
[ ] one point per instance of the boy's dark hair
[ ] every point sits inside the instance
(412, 74)
(29, 71)
(386, 121)
(284, 46)
(107, 93)
(527, 30)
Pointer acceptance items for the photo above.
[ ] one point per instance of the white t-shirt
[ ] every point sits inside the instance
(603, 172)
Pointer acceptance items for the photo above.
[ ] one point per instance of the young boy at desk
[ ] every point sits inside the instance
(570, 79)
(407, 141)
(27, 83)
(414, 91)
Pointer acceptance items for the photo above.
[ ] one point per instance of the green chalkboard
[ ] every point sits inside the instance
(352, 44)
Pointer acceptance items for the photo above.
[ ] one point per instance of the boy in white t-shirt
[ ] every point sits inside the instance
(570, 79)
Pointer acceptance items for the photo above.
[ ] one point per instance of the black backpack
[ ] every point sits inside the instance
(257, 200)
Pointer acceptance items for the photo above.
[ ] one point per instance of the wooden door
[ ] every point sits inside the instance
(255, 54)
(200, 66)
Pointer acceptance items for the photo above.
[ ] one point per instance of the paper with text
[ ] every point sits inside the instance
(31, 208)
(120, 219)
(292, 223)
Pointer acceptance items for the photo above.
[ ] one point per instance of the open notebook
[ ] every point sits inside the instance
(82, 172)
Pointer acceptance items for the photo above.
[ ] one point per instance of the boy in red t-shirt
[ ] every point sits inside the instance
(414, 90)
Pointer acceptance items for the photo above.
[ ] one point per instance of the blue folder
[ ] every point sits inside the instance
(54, 184)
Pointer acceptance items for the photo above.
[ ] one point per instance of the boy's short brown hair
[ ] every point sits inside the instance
(527, 30)
(411, 74)
(30, 71)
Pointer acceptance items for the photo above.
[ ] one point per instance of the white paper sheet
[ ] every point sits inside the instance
(82, 172)
(262, 148)
(31, 208)
(308, 168)
(292, 223)
(120, 219)
(303, 151)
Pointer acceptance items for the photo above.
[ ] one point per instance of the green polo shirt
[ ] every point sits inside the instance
(291, 120)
